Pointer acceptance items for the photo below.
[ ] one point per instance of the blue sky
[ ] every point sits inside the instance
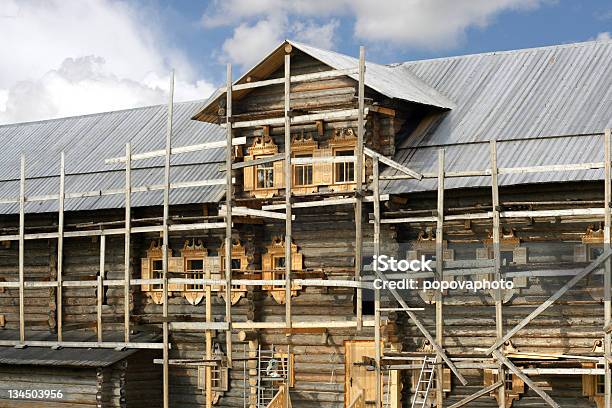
(69, 57)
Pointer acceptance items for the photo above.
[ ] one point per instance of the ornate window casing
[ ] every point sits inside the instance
(151, 267)
(273, 265)
(264, 180)
(267, 180)
(593, 386)
(515, 387)
(592, 244)
(219, 376)
(509, 247)
(303, 174)
(196, 264)
(240, 263)
(425, 245)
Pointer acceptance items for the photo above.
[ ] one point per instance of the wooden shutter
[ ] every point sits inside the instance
(176, 264)
(145, 272)
(248, 175)
(279, 174)
(213, 264)
(323, 173)
(446, 380)
(296, 262)
(580, 253)
(519, 255)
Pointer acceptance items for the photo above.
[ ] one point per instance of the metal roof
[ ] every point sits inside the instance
(88, 140)
(65, 357)
(519, 98)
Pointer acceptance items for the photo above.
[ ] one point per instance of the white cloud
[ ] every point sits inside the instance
(250, 43)
(71, 57)
(429, 24)
(603, 36)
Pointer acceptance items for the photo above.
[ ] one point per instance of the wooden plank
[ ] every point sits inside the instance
(100, 294)
(393, 163)
(500, 357)
(440, 277)
(238, 141)
(323, 203)
(288, 183)
(255, 213)
(128, 239)
(229, 196)
(499, 324)
(165, 246)
(21, 254)
(584, 272)
(477, 394)
(346, 114)
(323, 159)
(256, 162)
(607, 269)
(83, 344)
(377, 308)
(359, 149)
(60, 248)
(294, 79)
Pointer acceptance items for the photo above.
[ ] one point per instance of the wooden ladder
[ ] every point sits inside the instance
(419, 400)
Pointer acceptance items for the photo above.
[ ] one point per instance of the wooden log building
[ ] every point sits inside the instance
(183, 256)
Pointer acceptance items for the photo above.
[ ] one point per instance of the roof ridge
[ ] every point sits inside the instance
(503, 52)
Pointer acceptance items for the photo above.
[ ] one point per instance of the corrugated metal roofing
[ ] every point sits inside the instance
(561, 90)
(65, 357)
(88, 140)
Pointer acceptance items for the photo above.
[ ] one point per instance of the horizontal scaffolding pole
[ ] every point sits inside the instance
(237, 141)
(255, 213)
(345, 114)
(82, 344)
(323, 203)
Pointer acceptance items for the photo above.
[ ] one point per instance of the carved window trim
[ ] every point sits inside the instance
(592, 244)
(276, 250)
(344, 141)
(238, 254)
(194, 251)
(515, 387)
(508, 243)
(263, 146)
(425, 244)
(147, 268)
(304, 146)
(590, 385)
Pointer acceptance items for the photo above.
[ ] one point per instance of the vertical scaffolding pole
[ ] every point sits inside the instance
(60, 248)
(166, 244)
(288, 183)
(358, 185)
(21, 251)
(607, 271)
(229, 194)
(499, 324)
(377, 334)
(101, 286)
(128, 238)
(440, 276)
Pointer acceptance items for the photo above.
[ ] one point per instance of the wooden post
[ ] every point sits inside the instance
(21, 251)
(440, 277)
(607, 270)
(377, 334)
(101, 286)
(60, 247)
(499, 324)
(288, 184)
(358, 184)
(229, 194)
(209, 345)
(128, 238)
(166, 245)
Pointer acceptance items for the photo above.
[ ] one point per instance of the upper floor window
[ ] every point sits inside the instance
(265, 175)
(345, 171)
(302, 173)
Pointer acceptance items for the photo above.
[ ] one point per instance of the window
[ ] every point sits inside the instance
(194, 270)
(345, 171)
(157, 269)
(279, 262)
(265, 176)
(236, 262)
(302, 173)
(274, 264)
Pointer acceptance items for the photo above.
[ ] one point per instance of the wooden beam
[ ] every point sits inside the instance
(238, 141)
(323, 203)
(393, 163)
(500, 357)
(256, 213)
(288, 183)
(477, 395)
(60, 248)
(359, 149)
(499, 323)
(165, 246)
(128, 236)
(82, 344)
(256, 162)
(21, 254)
(100, 294)
(377, 308)
(584, 272)
(607, 269)
(440, 277)
(229, 196)
(346, 114)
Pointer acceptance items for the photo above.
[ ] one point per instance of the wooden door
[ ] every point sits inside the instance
(357, 376)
